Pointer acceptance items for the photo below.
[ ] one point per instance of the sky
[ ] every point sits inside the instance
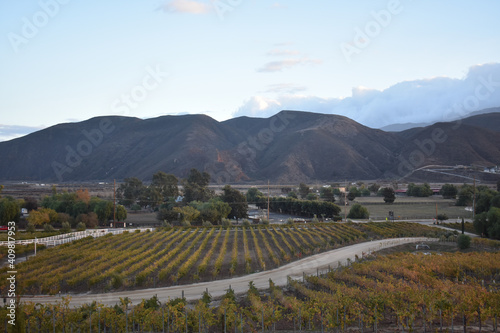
(377, 62)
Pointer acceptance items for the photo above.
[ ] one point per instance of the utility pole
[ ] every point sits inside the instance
(268, 194)
(345, 202)
(474, 200)
(114, 201)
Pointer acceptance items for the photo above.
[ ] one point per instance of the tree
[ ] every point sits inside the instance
(30, 203)
(9, 210)
(303, 190)
(187, 213)
(419, 190)
(166, 184)
(292, 194)
(358, 212)
(89, 220)
(213, 210)
(483, 200)
(351, 195)
(236, 200)
(43, 216)
(326, 193)
(498, 186)
(252, 194)
(130, 191)
(374, 187)
(449, 191)
(196, 186)
(1, 188)
(388, 194)
(121, 213)
(311, 196)
(104, 211)
(465, 196)
(463, 242)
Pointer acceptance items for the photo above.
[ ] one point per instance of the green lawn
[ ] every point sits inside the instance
(413, 208)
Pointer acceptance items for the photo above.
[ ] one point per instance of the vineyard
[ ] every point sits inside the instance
(394, 293)
(187, 255)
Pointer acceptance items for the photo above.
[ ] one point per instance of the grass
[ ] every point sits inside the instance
(408, 208)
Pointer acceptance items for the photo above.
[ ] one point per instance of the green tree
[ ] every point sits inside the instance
(104, 211)
(494, 220)
(187, 213)
(449, 191)
(303, 190)
(463, 242)
(213, 210)
(196, 186)
(236, 200)
(166, 184)
(465, 196)
(483, 200)
(358, 212)
(292, 194)
(423, 190)
(326, 193)
(252, 194)
(130, 191)
(9, 210)
(311, 196)
(121, 213)
(374, 187)
(388, 194)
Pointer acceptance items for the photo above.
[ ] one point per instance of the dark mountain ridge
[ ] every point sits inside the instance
(289, 147)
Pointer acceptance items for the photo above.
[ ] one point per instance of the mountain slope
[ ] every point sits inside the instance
(290, 146)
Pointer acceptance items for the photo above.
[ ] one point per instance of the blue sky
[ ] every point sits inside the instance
(378, 62)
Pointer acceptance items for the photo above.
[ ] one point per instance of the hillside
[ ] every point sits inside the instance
(288, 147)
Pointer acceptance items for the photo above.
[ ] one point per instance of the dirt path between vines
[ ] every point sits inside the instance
(309, 265)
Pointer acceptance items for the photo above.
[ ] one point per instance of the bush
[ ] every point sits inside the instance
(226, 223)
(207, 224)
(265, 221)
(167, 226)
(30, 228)
(463, 242)
(66, 227)
(290, 221)
(81, 226)
(185, 224)
(48, 228)
(358, 212)
(245, 223)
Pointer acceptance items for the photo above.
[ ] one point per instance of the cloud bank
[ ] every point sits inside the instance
(420, 101)
(9, 132)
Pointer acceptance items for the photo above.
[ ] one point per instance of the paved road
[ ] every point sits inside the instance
(295, 270)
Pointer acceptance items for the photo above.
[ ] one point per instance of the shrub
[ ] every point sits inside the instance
(30, 228)
(81, 226)
(226, 223)
(185, 224)
(290, 221)
(265, 221)
(463, 242)
(48, 228)
(207, 224)
(246, 223)
(66, 227)
(167, 226)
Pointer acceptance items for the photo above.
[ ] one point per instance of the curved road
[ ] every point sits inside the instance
(295, 270)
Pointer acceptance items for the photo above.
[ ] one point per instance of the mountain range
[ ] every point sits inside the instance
(289, 147)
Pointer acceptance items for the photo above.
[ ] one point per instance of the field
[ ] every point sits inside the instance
(408, 208)
(384, 293)
(181, 256)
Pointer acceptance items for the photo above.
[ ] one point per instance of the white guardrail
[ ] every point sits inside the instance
(72, 236)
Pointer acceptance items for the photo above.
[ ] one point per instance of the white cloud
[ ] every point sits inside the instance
(288, 88)
(186, 6)
(428, 100)
(278, 66)
(9, 132)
